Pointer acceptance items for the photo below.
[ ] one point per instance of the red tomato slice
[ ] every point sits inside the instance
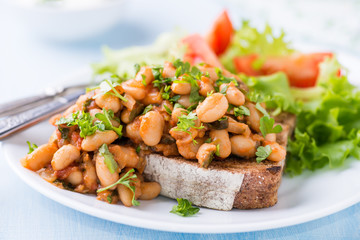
(244, 65)
(302, 69)
(199, 51)
(221, 33)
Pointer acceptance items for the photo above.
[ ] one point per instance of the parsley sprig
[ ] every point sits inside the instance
(105, 119)
(108, 87)
(187, 121)
(262, 153)
(184, 208)
(267, 126)
(83, 120)
(32, 146)
(125, 180)
(109, 161)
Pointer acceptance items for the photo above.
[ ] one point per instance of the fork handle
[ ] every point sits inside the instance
(20, 103)
(11, 124)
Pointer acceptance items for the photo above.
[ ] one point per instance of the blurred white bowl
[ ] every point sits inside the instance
(66, 21)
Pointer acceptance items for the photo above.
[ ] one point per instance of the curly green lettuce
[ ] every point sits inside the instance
(328, 127)
(249, 40)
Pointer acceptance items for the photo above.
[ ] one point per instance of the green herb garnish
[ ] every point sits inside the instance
(124, 180)
(109, 161)
(147, 109)
(32, 146)
(240, 111)
(106, 118)
(267, 126)
(184, 208)
(262, 153)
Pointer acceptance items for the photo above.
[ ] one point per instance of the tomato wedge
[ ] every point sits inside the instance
(302, 69)
(221, 33)
(199, 51)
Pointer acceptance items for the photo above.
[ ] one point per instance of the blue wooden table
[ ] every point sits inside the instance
(28, 63)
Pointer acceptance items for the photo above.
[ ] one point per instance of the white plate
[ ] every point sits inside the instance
(301, 199)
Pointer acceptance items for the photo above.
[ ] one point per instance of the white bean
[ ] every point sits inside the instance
(108, 102)
(150, 190)
(63, 157)
(212, 108)
(151, 128)
(40, 157)
(221, 137)
(93, 142)
(105, 176)
(243, 146)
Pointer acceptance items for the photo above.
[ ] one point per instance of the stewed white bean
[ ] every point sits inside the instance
(221, 137)
(40, 157)
(238, 127)
(182, 88)
(105, 176)
(243, 146)
(254, 118)
(108, 101)
(150, 190)
(278, 152)
(205, 154)
(233, 95)
(93, 142)
(75, 178)
(145, 76)
(212, 108)
(135, 89)
(125, 156)
(185, 101)
(151, 128)
(63, 157)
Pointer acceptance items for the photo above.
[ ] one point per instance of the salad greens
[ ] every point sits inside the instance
(248, 40)
(122, 62)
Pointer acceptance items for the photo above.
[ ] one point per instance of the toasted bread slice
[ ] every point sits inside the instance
(225, 184)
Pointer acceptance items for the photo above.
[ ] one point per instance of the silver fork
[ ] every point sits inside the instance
(23, 113)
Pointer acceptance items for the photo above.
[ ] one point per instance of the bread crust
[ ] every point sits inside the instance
(256, 187)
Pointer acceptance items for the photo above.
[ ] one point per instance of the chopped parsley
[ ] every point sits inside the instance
(109, 161)
(262, 153)
(106, 118)
(147, 109)
(185, 122)
(168, 110)
(32, 146)
(240, 111)
(217, 152)
(143, 79)
(224, 89)
(267, 126)
(64, 132)
(125, 180)
(137, 68)
(223, 80)
(109, 199)
(261, 109)
(137, 149)
(184, 208)
(106, 86)
(83, 120)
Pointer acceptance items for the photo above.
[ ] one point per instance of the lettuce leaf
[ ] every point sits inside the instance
(274, 90)
(121, 62)
(249, 40)
(328, 127)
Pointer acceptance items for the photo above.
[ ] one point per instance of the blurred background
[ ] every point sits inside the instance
(43, 40)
